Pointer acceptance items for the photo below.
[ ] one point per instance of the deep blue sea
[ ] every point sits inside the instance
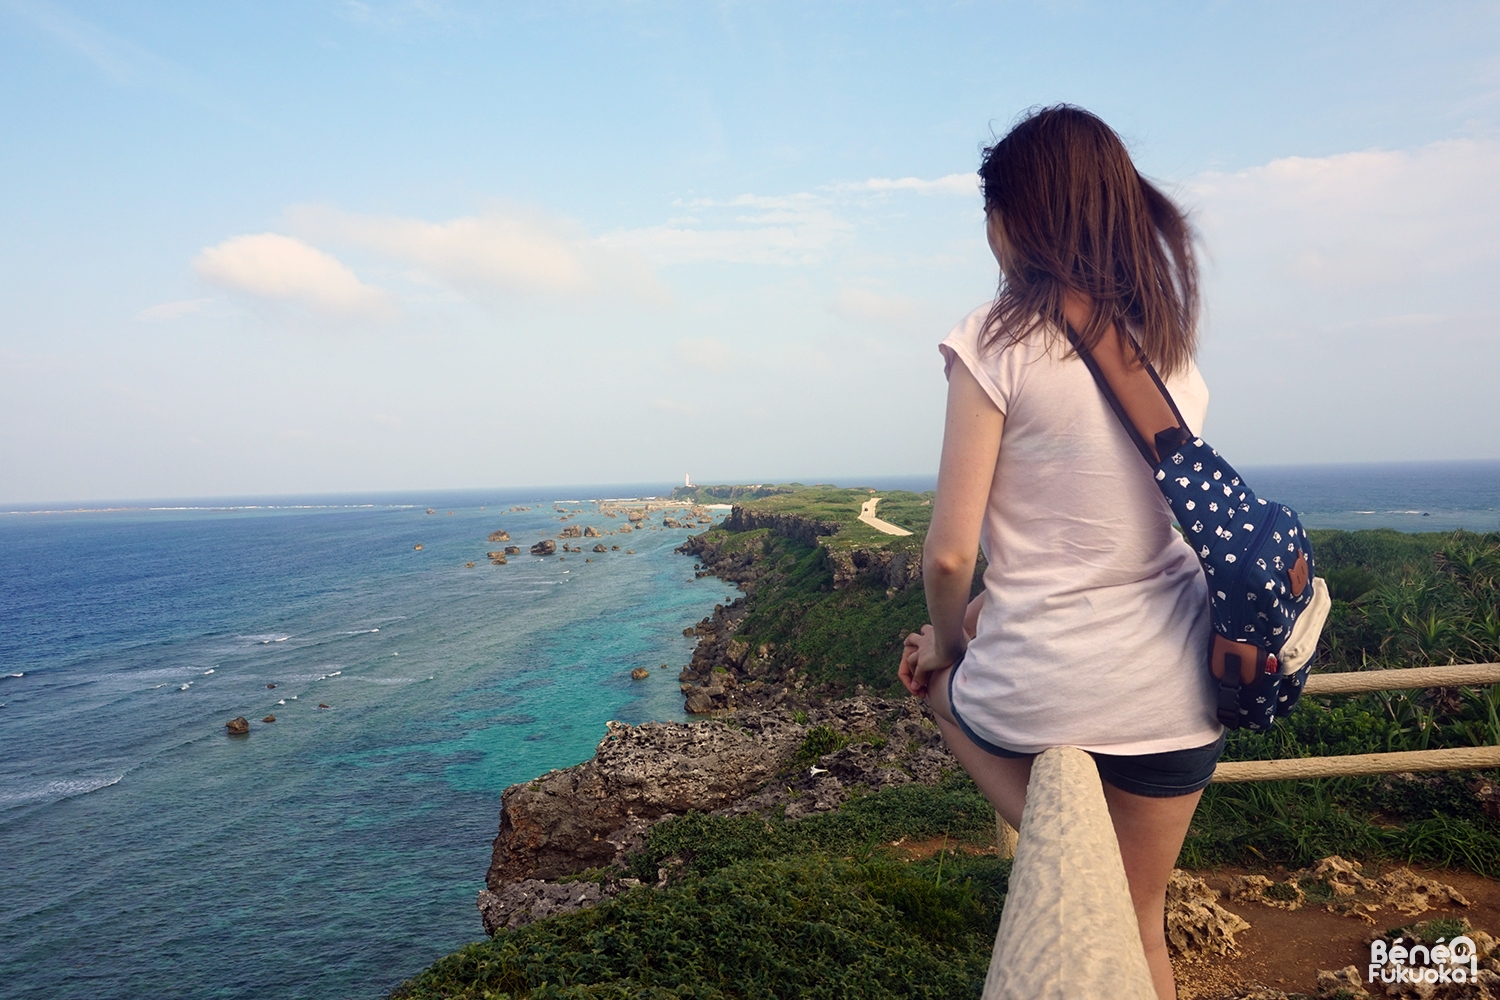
(338, 850)
(335, 851)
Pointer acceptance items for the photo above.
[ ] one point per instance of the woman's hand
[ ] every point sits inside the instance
(919, 658)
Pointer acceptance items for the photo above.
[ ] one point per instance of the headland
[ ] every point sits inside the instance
(810, 831)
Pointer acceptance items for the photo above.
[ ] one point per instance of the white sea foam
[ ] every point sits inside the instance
(55, 790)
(20, 674)
(335, 673)
(208, 671)
(281, 702)
(387, 680)
(186, 686)
(264, 638)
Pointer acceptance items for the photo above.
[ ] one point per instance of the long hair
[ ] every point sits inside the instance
(1077, 216)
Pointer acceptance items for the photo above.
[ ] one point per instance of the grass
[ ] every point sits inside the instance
(809, 926)
(827, 907)
(821, 907)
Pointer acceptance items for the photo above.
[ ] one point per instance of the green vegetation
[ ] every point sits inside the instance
(822, 907)
(837, 904)
(1411, 600)
(837, 638)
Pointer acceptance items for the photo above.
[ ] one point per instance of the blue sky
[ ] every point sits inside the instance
(270, 248)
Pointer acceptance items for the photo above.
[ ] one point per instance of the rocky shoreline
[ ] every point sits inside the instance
(593, 815)
(754, 755)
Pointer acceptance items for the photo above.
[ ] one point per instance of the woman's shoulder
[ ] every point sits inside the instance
(969, 339)
(999, 367)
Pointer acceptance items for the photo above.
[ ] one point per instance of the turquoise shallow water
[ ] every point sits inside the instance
(335, 851)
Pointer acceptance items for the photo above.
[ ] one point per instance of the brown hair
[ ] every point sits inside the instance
(1077, 216)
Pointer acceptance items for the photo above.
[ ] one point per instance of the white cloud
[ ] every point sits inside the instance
(512, 252)
(1370, 220)
(957, 184)
(872, 307)
(171, 310)
(785, 230)
(273, 267)
(1357, 290)
(790, 230)
(709, 353)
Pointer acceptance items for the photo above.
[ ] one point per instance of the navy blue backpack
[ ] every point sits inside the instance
(1255, 553)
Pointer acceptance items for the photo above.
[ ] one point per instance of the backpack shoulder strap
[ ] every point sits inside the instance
(1136, 393)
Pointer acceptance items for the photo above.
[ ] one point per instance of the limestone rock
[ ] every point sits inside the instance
(601, 548)
(239, 726)
(545, 547)
(562, 821)
(1197, 926)
(499, 535)
(597, 812)
(1286, 895)
(592, 532)
(520, 903)
(639, 674)
(269, 718)
(1345, 982)
(513, 550)
(1354, 894)
(498, 559)
(571, 531)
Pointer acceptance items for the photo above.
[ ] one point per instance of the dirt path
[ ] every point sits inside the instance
(1285, 949)
(867, 515)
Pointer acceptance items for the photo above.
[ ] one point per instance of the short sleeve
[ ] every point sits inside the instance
(992, 372)
(1190, 393)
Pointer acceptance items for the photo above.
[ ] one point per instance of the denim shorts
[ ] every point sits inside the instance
(1158, 775)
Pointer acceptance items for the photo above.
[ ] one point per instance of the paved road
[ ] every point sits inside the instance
(867, 515)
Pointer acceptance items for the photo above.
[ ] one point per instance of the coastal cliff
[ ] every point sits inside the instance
(598, 815)
(761, 851)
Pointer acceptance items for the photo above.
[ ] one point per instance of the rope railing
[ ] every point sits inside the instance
(1300, 768)
(1363, 681)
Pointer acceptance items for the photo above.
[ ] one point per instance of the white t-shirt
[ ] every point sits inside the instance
(1095, 626)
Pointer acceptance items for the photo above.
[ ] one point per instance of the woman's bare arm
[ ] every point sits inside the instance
(971, 445)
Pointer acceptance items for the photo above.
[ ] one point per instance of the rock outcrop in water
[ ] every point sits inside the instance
(545, 547)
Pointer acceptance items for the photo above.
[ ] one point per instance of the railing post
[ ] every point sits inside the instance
(1005, 837)
(1068, 931)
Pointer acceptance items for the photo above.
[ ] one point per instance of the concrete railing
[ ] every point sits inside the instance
(1068, 930)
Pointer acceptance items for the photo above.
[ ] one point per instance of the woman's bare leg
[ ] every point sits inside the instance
(1150, 830)
(1002, 779)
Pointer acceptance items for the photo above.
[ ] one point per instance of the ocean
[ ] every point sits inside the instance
(338, 850)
